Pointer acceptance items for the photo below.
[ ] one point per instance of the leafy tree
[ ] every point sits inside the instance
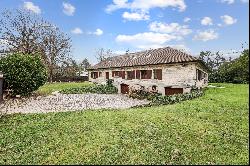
(26, 33)
(85, 64)
(236, 71)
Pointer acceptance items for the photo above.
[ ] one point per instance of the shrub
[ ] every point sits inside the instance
(158, 99)
(109, 82)
(142, 94)
(23, 74)
(101, 89)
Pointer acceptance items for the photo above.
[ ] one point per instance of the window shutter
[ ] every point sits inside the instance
(137, 74)
(159, 74)
(120, 73)
(149, 74)
(123, 74)
(113, 73)
(133, 74)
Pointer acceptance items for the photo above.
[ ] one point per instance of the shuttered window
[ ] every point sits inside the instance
(94, 75)
(146, 74)
(123, 74)
(138, 74)
(116, 73)
(130, 75)
(158, 74)
(200, 75)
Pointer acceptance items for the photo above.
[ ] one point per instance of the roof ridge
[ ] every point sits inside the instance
(157, 56)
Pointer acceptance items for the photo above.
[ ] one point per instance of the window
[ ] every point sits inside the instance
(100, 74)
(158, 74)
(130, 75)
(94, 75)
(116, 73)
(200, 75)
(146, 74)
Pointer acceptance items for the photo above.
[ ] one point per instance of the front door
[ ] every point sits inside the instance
(107, 75)
(124, 88)
(171, 91)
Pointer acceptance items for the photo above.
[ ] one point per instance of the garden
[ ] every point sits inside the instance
(211, 129)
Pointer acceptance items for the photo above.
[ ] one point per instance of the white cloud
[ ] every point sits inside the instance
(181, 47)
(30, 6)
(206, 21)
(135, 16)
(119, 52)
(228, 20)
(187, 19)
(228, 1)
(145, 5)
(245, 1)
(173, 28)
(68, 9)
(220, 25)
(98, 32)
(145, 40)
(159, 34)
(206, 35)
(77, 31)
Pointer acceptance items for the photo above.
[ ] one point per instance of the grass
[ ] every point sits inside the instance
(48, 88)
(212, 129)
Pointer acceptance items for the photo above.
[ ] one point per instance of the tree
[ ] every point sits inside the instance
(127, 51)
(236, 71)
(24, 32)
(213, 61)
(102, 54)
(56, 48)
(20, 31)
(84, 64)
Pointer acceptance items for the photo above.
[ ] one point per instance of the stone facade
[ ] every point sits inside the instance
(178, 75)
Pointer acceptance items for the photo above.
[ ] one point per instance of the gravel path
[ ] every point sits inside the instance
(73, 102)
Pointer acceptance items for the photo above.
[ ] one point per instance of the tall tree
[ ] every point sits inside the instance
(85, 64)
(25, 32)
(102, 54)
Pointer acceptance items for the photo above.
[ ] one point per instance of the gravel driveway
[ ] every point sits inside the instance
(73, 102)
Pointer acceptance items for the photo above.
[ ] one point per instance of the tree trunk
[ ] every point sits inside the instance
(50, 75)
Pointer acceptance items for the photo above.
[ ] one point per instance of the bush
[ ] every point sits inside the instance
(23, 74)
(158, 99)
(101, 89)
(142, 94)
(109, 82)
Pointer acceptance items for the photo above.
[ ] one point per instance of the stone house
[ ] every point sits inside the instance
(164, 70)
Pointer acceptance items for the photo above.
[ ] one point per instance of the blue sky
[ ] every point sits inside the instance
(193, 25)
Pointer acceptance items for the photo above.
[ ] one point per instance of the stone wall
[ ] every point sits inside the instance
(173, 75)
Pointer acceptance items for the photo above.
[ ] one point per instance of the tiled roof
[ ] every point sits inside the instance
(164, 55)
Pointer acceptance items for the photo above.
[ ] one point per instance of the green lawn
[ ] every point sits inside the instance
(48, 88)
(212, 129)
